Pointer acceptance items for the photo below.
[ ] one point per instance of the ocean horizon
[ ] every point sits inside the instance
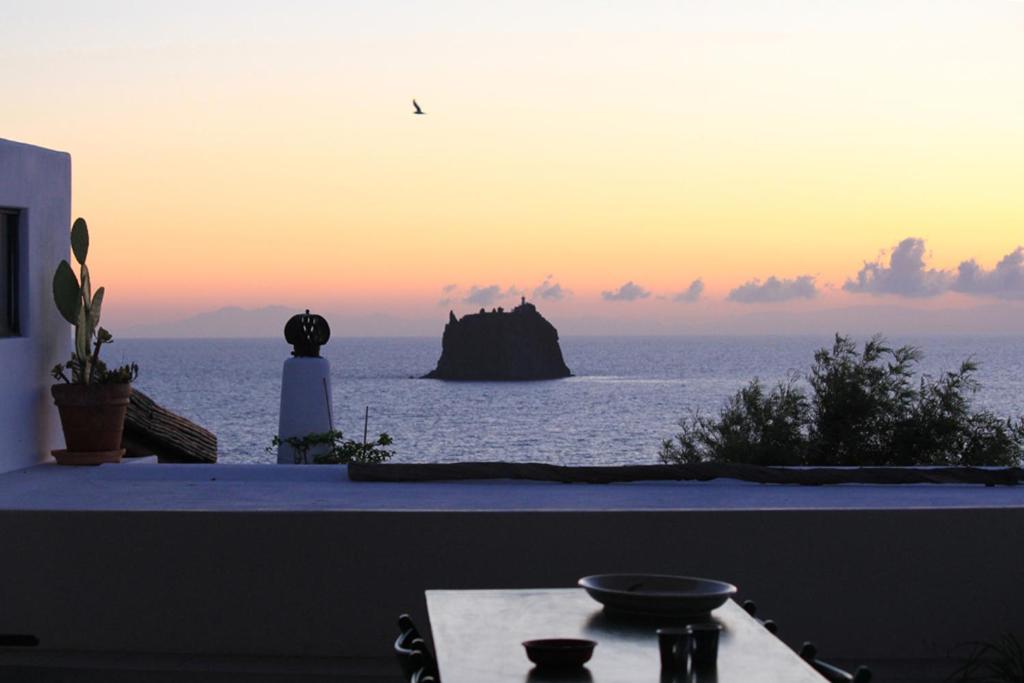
(625, 396)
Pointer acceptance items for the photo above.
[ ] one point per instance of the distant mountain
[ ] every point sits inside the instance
(892, 319)
(997, 318)
(1003, 318)
(230, 321)
(269, 321)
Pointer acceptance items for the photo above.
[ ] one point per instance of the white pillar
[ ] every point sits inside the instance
(305, 404)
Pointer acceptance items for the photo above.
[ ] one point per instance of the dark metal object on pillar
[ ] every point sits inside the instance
(307, 332)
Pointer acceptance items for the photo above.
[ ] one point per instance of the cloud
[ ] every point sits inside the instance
(486, 296)
(1005, 281)
(447, 295)
(551, 291)
(691, 293)
(774, 290)
(906, 274)
(627, 292)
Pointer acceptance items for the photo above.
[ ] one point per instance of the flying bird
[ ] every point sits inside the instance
(418, 110)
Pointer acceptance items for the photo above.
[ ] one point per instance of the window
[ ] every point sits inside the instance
(9, 277)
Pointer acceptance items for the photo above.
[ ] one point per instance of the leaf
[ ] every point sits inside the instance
(94, 310)
(80, 240)
(66, 292)
(82, 337)
(86, 288)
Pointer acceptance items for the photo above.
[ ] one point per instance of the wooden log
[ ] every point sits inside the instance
(151, 429)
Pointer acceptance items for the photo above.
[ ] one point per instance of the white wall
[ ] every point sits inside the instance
(37, 181)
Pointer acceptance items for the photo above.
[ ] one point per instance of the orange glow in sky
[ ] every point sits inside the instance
(266, 153)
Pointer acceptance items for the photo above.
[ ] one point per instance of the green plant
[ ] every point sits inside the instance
(864, 408)
(340, 451)
(998, 661)
(81, 307)
(755, 427)
(858, 400)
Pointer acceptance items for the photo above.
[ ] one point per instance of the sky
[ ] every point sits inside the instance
(663, 166)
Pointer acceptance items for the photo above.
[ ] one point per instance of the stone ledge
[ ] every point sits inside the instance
(305, 488)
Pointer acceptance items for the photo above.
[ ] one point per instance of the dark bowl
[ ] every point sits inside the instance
(658, 594)
(561, 653)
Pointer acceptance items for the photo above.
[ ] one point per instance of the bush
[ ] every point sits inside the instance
(754, 427)
(340, 451)
(864, 409)
(995, 661)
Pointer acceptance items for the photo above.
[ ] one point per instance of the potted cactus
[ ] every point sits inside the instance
(93, 399)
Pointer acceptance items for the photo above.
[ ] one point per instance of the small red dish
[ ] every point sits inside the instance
(561, 653)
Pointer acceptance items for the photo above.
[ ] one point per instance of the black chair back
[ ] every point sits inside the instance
(751, 607)
(414, 657)
(422, 676)
(832, 673)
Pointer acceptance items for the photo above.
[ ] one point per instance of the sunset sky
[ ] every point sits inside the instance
(601, 158)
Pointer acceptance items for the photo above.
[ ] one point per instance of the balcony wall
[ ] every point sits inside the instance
(285, 561)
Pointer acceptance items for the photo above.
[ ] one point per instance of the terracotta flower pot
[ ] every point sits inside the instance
(92, 416)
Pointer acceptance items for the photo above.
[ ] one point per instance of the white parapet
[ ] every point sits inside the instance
(305, 404)
(35, 195)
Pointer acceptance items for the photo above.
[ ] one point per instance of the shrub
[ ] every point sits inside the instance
(863, 409)
(340, 451)
(995, 661)
(754, 427)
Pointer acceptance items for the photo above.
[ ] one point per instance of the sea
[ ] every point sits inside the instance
(626, 395)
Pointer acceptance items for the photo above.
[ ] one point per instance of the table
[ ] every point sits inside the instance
(478, 636)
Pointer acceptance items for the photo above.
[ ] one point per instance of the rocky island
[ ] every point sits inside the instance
(500, 345)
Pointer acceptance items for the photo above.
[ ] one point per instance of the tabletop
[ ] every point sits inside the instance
(478, 635)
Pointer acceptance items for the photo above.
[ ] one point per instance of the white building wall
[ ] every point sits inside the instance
(38, 182)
